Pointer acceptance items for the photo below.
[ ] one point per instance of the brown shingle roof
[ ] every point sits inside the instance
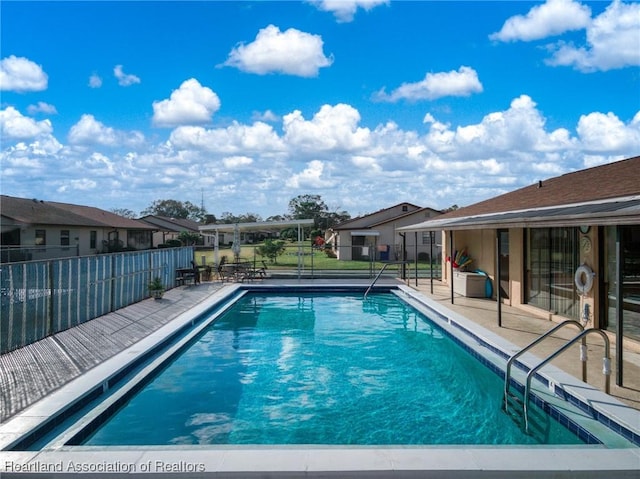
(171, 224)
(613, 180)
(345, 225)
(106, 218)
(32, 211)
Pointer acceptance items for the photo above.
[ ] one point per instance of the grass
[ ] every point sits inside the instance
(316, 259)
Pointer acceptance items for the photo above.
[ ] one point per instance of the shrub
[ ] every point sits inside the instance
(271, 249)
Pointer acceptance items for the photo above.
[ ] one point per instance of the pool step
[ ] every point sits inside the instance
(539, 422)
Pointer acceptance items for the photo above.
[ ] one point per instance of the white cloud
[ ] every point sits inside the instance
(291, 52)
(89, 131)
(310, 177)
(607, 133)
(331, 154)
(83, 184)
(95, 81)
(190, 104)
(266, 116)
(332, 128)
(520, 128)
(367, 165)
(613, 41)
(235, 139)
(99, 164)
(15, 126)
(236, 162)
(124, 79)
(344, 10)
(21, 74)
(551, 18)
(463, 82)
(42, 107)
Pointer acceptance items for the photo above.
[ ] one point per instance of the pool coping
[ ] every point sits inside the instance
(303, 461)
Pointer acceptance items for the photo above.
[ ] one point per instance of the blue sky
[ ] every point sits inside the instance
(365, 103)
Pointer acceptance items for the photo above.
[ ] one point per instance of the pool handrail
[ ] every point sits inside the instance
(384, 266)
(507, 375)
(606, 367)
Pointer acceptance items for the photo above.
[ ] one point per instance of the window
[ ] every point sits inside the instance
(41, 237)
(426, 238)
(64, 237)
(93, 239)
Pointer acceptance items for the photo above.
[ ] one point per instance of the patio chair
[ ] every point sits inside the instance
(196, 272)
(222, 274)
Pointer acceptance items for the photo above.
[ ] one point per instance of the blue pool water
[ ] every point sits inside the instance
(316, 369)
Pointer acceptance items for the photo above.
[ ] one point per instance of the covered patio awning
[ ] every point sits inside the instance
(256, 226)
(618, 211)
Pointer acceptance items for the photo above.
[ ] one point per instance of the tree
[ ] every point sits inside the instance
(271, 249)
(123, 212)
(313, 207)
(335, 218)
(189, 238)
(229, 218)
(175, 209)
(307, 207)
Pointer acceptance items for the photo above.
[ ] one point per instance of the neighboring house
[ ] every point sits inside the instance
(376, 236)
(170, 228)
(541, 242)
(35, 229)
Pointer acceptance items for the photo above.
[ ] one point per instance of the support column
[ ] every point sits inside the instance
(619, 306)
(497, 278)
(451, 262)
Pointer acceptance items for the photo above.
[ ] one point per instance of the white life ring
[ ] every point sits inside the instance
(584, 279)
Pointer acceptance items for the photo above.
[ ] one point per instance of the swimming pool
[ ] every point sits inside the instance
(405, 326)
(315, 369)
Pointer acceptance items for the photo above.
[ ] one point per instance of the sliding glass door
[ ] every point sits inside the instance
(552, 259)
(628, 238)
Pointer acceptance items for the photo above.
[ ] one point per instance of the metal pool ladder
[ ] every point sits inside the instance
(507, 376)
(380, 274)
(583, 357)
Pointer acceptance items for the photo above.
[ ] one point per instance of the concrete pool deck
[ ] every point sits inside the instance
(32, 373)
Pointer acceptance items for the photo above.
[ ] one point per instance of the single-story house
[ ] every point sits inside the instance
(564, 247)
(376, 236)
(170, 228)
(35, 229)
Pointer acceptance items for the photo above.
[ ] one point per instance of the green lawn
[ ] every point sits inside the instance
(318, 260)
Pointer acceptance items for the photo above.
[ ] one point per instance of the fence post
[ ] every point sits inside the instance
(51, 282)
(112, 283)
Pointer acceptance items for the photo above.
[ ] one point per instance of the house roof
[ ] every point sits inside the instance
(171, 224)
(23, 211)
(607, 194)
(379, 217)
